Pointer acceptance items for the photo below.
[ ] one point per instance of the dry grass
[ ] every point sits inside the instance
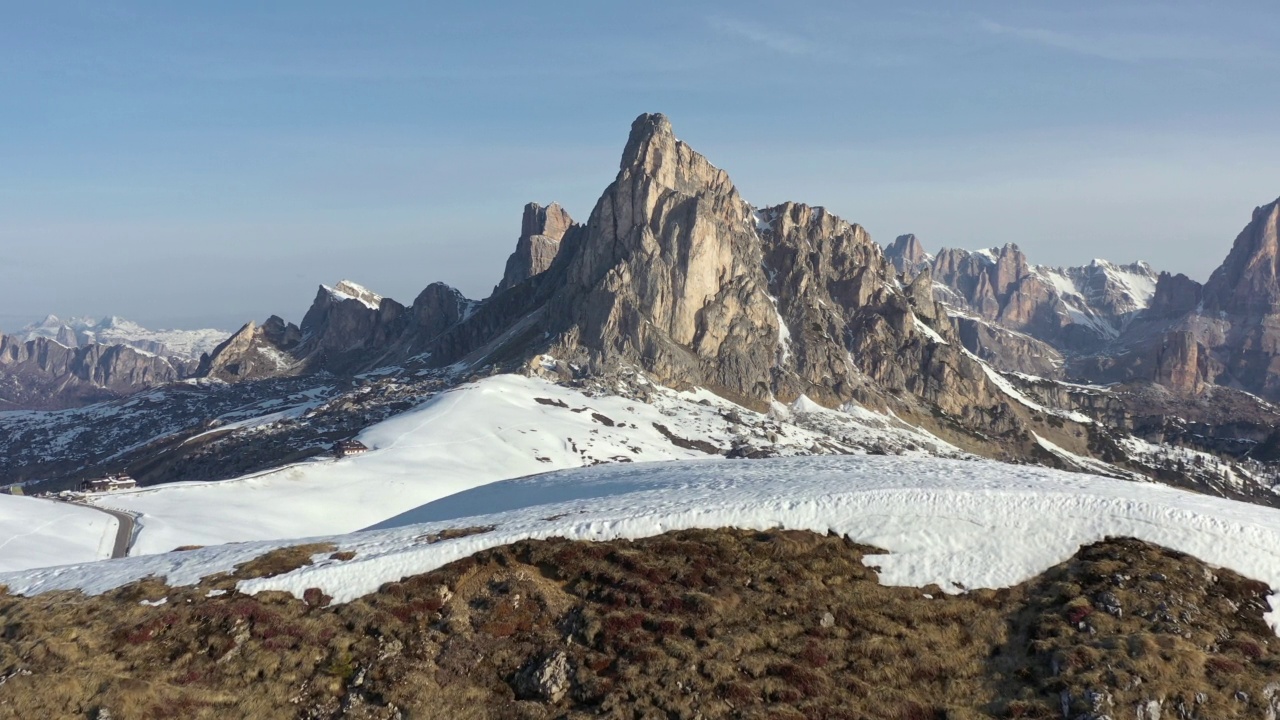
(279, 562)
(452, 534)
(710, 624)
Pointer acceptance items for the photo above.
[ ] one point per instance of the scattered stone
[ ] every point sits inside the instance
(1109, 604)
(546, 680)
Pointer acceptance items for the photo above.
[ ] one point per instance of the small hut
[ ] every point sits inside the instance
(347, 448)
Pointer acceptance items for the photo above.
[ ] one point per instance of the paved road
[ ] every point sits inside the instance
(124, 531)
(124, 534)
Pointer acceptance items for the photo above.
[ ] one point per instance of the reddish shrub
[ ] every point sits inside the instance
(1218, 665)
(814, 656)
(1247, 648)
(738, 693)
(1077, 613)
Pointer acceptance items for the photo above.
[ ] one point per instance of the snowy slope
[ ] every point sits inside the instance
(81, 331)
(1102, 295)
(501, 427)
(347, 290)
(960, 524)
(40, 533)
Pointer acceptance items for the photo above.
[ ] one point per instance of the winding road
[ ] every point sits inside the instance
(124, 528)
(124, 533)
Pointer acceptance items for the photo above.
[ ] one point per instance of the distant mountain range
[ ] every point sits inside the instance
(1102, 367)
(59, 363)
(1105, 323)
(112, 330)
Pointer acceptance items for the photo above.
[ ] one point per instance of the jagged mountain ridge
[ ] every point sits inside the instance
(1076, 309)
(59, 363)
(675, 275)
(45, 374)
(1105, 323)
(78, 332)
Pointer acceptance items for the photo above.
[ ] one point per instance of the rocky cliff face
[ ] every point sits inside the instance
(43, 374)
(669, 274)
(1248, 282)
(347, 326)
(907, 255)
(1182, 363)
(1175, 297)
(676, 275)
(253, 353)
(541, 231)
(1240, 323)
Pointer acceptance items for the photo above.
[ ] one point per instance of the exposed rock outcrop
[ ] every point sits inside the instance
(541, 231)
(669, 274)
(252, 353)
(907, 255)
(1182, 363)
(347, 326)
(1248, 281)
(1175, 296)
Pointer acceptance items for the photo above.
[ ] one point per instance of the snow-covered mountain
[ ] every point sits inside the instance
(1102, 295)
(498, 428)
(1072, 308)
(80, 331)
(680, 361)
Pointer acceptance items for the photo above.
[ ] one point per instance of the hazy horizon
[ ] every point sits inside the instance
(194, 167)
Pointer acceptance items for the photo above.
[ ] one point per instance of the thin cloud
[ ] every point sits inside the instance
(763, 36)
(1129, 47)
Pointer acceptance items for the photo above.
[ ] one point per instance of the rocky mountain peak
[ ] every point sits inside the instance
(653, 151)
(437, 308)
(1248, 282)
(648, 131)
(1175, 296)
(541, 231)
(345, 289)
(907, 254)
(551, 221)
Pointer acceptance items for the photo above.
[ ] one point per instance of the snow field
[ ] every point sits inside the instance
(501, 427)
(957, 523)
(39, 533)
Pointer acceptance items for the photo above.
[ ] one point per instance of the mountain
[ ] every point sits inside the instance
(1244, 293)
(81, 331)
(45, 374)
(675, 273)
(1190, 337)
(675, 281)
(691, 458)
(541, 231)
(70, 363)
(1074, 309)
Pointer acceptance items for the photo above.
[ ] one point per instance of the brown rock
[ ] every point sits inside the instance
(541, 231)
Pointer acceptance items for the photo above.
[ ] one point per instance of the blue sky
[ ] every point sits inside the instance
(210, 163)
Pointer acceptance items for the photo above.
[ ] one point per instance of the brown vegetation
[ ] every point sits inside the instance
(709, 624)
